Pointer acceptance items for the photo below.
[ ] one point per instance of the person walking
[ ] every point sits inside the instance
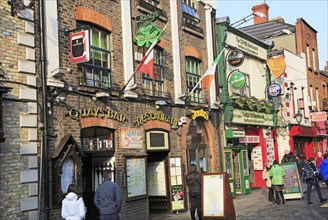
(277, 177)
(309, 175)
(324, 169)
(72, 205)
(318, 160)
(194, 184)
(285, 157)
(267, 179)
(108, 198)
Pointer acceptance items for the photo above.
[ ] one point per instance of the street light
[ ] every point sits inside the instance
(298, 117)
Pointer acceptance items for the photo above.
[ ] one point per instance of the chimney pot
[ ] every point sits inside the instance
(261, 8)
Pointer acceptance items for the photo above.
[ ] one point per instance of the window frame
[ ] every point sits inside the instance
(197, 95)
(89, 72)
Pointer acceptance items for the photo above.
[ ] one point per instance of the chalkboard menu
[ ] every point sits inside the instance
(292, 187)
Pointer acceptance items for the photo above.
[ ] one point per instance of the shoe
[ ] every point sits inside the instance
(322, 201)
(283, 201)
(278, 203)
(309, 203)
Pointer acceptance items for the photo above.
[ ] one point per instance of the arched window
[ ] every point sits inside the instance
(198, 152)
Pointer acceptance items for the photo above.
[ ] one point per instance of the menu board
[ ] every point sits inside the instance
(177, 196)
(156, 178)
(270, 150)
(131, 137)
(68, 174)
(136, 177)
(292, 187)
(257, 158)
(213, 195)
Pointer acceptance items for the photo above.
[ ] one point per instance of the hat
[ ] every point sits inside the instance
(275, 162)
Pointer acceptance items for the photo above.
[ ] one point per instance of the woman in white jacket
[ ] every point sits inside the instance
(267, 179)
(72, 205)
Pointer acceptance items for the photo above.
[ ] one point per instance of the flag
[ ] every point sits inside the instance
(145, 63)
(209, 74)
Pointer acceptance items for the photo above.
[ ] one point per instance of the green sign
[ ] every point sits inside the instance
(237, 80)
(147, 35)
(234, 134)
(252, 118)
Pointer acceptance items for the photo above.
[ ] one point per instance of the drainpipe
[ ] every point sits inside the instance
(45, 156)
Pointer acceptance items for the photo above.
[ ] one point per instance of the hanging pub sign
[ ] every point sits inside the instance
(79, 47)
(276, 63)
(235, 58)
(147, 35)
(237, 80)
(274, 90)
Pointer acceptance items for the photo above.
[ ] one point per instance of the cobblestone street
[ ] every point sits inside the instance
(256, 206)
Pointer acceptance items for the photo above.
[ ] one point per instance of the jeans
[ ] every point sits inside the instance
(195, 203)
(271, 194)
(309, 184)
(279, 194)
(114, 216)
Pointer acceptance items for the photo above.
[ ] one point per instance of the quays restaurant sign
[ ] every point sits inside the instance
(96, 112)
(160, 116)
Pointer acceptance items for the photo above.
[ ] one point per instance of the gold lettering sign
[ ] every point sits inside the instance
(199, 113)
(96, 112)
(160, 116)
(277, 66)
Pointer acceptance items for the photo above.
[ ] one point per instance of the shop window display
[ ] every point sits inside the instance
(97, 139)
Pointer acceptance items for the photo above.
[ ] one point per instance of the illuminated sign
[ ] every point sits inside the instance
(235, 58)
(237, 80)
(147, 35)
(277, 66)
(274, 90)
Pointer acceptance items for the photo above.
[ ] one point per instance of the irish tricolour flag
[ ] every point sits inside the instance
(209, 74)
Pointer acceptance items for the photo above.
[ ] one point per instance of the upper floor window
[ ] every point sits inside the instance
(313, 59)
(190, 14)
(97, 72)
(153, 2)
(193, 74)
(308, 55)
(155, 88)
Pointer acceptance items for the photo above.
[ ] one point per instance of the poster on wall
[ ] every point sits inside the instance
(270, 150)
(131, 138)
(177, 196)
(257, 158)
(136, 177)
(156, 178)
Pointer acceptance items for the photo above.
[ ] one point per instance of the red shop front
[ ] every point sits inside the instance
(302, 140)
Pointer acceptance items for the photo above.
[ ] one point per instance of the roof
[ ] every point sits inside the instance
(66, 140)
(323, 72)
(269, 29)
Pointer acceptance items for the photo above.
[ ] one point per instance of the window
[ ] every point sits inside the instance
(308, 56)
(190, 14)
(97, 72)
(193, 76)
(97, 138)
(155, 88)
(153, 2)
(324, 89)
(313, 59)
(317, 98)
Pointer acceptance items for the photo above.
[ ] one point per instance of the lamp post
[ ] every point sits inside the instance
(298, 117)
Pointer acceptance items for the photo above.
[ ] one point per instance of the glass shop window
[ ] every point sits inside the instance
(97, 138)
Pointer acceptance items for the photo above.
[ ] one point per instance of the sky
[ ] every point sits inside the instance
(314, 12)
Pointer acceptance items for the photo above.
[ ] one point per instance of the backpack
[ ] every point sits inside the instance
(308, 173)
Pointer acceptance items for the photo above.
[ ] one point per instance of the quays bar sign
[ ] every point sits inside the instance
(96, 112)
(160, 116)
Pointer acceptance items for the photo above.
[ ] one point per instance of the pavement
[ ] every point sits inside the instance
(256, 206)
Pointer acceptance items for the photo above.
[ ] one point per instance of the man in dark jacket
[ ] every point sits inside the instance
(324, 168)
(194, 184)
(108, 198)
(313, 180)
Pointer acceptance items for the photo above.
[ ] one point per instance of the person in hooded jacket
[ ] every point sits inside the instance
(267, 179)
(324, 168)
(277, 174)
(72, 205)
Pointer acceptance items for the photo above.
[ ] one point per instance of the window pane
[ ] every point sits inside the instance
(95, 38)
(103, 41)
(97, 58)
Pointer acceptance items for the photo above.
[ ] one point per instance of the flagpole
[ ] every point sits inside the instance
(204, 75)
(145, 56)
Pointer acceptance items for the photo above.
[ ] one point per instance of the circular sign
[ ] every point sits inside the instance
(274, 90)
(235, 58)
(237, 80)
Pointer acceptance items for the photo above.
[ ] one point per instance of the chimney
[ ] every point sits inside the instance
(326, 67)
(261, 12)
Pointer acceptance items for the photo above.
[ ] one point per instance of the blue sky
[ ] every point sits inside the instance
(314, 12)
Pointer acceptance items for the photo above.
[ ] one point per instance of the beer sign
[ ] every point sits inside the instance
(79, 47)
(235, 58)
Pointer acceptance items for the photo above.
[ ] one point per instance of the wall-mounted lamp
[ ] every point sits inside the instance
(102, 94)
(160, 103)
(298, 117)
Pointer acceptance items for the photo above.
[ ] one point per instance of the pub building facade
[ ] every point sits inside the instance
(102, 117)
(249, 116)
